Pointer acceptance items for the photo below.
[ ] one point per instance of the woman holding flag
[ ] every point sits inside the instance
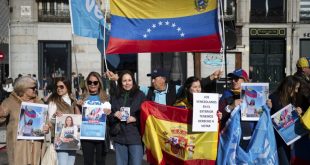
(95, 95)
(20, 152)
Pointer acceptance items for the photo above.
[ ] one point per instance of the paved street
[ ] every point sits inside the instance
(79, 159)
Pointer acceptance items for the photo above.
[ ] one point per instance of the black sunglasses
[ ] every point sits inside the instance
(92, 82)
(61, 86)
(33, 88)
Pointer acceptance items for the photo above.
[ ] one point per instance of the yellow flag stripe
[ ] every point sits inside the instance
(154, 9)
(157, 132)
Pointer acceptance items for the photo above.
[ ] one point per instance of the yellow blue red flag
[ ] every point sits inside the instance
(168, 138)
(163, 26)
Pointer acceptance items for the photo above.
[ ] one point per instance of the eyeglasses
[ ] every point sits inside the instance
(92, 82)
(60, 86)
(33, 88)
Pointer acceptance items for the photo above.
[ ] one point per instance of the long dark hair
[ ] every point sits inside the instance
(185, 93)
(57, 98)
(121, 90)
(286, 88)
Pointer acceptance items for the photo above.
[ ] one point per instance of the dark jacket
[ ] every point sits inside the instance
(129, 133)
(247, 127)
(303, 95)
(283, 149)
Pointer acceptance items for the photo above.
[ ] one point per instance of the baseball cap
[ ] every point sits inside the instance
(158, 72)
(303, 62)
(240, 73)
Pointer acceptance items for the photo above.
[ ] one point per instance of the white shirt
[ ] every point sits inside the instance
(52, 106)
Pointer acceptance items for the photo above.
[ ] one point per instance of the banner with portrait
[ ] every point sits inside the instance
(67, 132)
(32, 119)
(93, 125)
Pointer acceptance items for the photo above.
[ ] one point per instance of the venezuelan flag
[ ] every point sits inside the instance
(163, 26)
(168, 138)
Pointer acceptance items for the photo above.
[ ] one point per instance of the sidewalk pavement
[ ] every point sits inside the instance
(110, 159)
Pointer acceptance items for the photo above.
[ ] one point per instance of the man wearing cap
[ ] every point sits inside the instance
(162, 91)
(303, 74)
(231, 99)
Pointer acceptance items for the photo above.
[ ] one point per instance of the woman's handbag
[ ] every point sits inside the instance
(50, 155)
(305, 119)
(115, 129)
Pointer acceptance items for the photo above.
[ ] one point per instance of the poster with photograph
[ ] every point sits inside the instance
(287, 123)
(93, 122)
(125, 113)
(67, 132)
(32, 119)
(254, 96)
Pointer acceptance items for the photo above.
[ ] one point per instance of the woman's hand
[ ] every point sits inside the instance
(112, 76)
(131, 119)
(107, 111)
(219, 115)
(80, 102)
(46, 129)
(58, 113)
(299, 111)
(269, 103)
(118, 115)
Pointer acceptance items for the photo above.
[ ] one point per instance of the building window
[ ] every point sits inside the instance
(304, 11)
(304, 47)
(268, 11)
(173, 63)
(54, 11)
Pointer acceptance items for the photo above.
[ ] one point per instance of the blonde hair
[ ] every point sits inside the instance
(101, 92)
(22, 83)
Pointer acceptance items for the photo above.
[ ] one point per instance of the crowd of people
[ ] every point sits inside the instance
(123, 92)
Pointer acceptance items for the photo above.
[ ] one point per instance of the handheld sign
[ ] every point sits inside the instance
(205, 106)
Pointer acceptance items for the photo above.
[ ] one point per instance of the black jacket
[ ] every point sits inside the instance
(130, 133)
(303, 95)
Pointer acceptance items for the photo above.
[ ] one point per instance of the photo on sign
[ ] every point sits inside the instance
(254, 96)
(32, 119)
(93, 122)
(125, 111)
(287, 123)
(67, 132)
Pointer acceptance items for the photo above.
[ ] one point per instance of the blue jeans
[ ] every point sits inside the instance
(128, 154)
(66, 157)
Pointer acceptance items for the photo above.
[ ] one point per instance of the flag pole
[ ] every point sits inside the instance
(222, 33)
(104, 38)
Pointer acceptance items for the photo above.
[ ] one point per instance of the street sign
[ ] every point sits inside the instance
(2, 55)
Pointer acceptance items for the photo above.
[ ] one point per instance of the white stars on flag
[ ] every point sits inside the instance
(163, 24)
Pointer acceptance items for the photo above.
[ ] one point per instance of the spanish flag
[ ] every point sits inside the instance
(168, 138)
(163, 26)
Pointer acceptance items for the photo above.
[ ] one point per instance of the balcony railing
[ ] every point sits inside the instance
(62, 16)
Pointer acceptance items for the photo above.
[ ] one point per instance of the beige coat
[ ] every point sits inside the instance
(20, 152)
